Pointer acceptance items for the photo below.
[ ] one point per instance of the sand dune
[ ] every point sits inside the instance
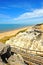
(13, 32)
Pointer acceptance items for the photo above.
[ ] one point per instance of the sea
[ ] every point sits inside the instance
(9, 27)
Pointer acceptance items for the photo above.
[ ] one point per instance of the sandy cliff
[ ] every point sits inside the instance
(31, 38)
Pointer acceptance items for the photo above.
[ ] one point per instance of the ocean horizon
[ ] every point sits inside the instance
(9, 27)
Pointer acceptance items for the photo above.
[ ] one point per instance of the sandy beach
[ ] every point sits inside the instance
(13, 32)
(6, 35)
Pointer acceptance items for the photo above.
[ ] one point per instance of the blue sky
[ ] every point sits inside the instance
(21, 11)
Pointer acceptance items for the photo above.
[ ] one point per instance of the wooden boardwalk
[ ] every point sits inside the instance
(32, 57)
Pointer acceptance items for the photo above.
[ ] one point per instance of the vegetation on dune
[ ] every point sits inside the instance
(4, 39)
(39, 24)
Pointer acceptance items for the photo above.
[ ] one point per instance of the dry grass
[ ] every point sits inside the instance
(4, 39)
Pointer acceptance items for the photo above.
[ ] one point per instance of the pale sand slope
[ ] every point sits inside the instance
(13, 32)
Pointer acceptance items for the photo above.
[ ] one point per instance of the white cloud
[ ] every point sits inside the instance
(33, 14)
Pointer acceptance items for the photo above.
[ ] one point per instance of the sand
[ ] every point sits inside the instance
(13, 32)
